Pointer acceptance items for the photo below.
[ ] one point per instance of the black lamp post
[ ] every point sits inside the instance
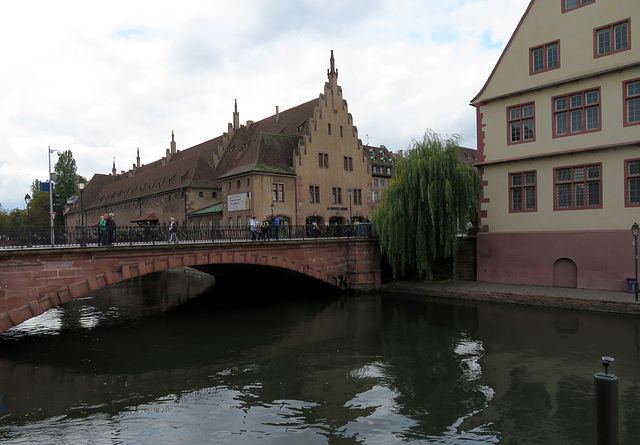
(27, 200)
(81, 185)
(272, 207)
(350, 192)
(635, 230)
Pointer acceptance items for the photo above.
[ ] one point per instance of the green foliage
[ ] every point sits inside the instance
(66, 184)
(431, 198)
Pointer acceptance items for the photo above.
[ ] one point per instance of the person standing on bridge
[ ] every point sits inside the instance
(253, 228)
(102, 230)
(276, 227)
(111, 228)
(173, 230)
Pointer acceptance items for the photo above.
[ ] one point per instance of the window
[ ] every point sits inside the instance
(612, 39)
(521, 123)
(336, 195)
(348, 163)
(576, 113)
(632, 181)
(341, 131)
(544, 57)
(314, 194)
(357, 196)
(329, 129)
(277, 192)
(578, 187)
(568, 5)
(323, 160)
(632, 102)
(522, 192)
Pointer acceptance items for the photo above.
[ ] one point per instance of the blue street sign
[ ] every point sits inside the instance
(44, 186)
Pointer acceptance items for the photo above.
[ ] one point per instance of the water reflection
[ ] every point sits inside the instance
(172, 359)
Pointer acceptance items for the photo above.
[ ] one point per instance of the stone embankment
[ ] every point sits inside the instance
(568, 298)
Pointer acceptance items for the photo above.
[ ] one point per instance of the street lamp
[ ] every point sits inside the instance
(272, 207)
(51, 180)
(27, 200)
(350, 192)
(81, 185)
(635, 230)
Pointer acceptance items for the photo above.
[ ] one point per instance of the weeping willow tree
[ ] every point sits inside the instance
(432, 197)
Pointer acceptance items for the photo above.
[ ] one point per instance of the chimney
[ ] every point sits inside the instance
(277, 114)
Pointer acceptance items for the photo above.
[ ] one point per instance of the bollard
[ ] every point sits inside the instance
(606, 392)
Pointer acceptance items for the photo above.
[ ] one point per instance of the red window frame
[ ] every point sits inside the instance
(579, 4)
(579, 186)
(627, 98)
(523, 187)
(545, 56)
(629, 176)
(611, 27)
(571, 106)
(520, 119)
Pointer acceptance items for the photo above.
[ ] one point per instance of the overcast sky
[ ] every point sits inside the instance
(103, 79)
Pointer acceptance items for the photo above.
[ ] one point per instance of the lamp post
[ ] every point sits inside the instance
(272, 207)
(635, 230)
(81, 185)
(27, 200)
(350, 192)
(51, 180)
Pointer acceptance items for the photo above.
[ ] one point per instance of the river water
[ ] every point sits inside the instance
(172, 358)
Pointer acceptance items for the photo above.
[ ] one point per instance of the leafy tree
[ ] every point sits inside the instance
(66, 184)
(431, 198)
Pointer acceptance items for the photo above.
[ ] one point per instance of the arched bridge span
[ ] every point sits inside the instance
(33, 281)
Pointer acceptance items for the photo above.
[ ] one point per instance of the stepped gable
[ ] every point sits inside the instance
(267, 145)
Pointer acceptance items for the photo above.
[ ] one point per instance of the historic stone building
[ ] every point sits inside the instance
(304, 164)
(559, 148)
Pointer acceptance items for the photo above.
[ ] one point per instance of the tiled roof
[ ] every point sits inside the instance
(468, 155)
(191, 171)
(267, 145)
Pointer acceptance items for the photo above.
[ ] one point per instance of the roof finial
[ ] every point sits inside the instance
(332, 63)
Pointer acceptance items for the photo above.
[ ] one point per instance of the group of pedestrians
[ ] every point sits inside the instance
(266, 230)
(107, 230)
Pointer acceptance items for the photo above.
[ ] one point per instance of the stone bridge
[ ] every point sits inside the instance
(35, 280)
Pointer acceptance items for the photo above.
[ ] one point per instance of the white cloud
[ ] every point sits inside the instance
(103, 80)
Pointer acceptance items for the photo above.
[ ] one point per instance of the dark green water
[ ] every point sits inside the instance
(167, 359)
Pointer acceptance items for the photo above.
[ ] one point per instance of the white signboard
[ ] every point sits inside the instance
(240, 201)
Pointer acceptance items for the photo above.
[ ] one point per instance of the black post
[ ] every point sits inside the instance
(635, 230)
(606, 392)
(83, 242)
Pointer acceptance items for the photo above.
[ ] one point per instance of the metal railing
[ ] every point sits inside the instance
(77, 236)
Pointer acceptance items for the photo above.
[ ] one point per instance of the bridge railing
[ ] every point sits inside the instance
(77, 236)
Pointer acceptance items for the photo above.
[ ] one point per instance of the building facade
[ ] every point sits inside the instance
(559, 148)
(303, 164)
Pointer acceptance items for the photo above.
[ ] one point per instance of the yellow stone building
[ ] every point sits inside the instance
(304, 164)
(559, 148)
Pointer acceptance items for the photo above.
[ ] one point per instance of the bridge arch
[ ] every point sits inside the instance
(33, 282)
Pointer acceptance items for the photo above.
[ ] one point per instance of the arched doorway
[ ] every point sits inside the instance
(565, 273)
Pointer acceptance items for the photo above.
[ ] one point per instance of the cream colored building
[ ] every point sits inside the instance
(559, 148)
